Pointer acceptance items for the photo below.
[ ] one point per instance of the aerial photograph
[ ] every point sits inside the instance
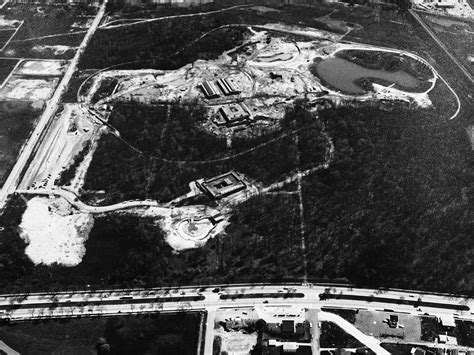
(231, 177)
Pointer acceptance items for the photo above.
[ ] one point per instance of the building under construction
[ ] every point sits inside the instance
(221, 185)
(209, 90)
(227, 87)
(233, 115)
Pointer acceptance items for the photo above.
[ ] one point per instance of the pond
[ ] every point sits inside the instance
(342, 74)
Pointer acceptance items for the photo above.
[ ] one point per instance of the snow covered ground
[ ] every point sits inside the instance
(54, 233)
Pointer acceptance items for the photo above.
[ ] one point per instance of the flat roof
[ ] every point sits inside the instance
(222, 185)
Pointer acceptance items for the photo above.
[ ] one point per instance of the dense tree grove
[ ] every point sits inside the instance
(395, 207)
(175, 152)
(255, 240)
(135, 334)
(16, 122)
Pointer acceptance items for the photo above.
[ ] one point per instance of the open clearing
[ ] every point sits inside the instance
(41, 68)
(33, 80)
(28, 89)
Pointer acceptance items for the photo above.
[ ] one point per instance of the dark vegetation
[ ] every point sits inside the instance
(48, 20)
(348, 314)
(105, 89)
(25, 48)
(393, 209)
(16, 122)
(44, 21)
(455, 36)
(141, 47)
(5, 36)
(176, 152)
(14, 264)
(332, 336)
(6, 67)
(258, 247)
(77, 79)
(150, 334)
(69, 173)
(395, 203)
(463, 332)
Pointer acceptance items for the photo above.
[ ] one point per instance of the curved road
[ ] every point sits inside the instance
(73, 199)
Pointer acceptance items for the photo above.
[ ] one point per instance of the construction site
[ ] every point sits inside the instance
(246, 93)
(248, 89)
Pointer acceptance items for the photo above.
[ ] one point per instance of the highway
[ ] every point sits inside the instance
(26, 307)
(36, 137)
(78, 303)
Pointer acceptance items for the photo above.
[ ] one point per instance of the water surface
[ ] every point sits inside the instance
(341, 74)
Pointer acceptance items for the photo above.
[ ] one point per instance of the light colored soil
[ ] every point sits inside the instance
(41, 68)
(18, 88)
(54, 234)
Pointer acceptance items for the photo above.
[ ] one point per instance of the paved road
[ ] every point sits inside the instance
(196, 298)
(29, 149)
(72, 198)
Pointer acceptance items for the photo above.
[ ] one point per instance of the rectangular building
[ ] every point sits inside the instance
(234, 114)
(222, 185)
(227, 87)
(209, 90)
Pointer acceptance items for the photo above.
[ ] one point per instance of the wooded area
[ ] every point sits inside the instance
(395, 207)
(176, 151)
(136, 334)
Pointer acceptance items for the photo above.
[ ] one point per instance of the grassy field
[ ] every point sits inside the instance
(6, 67)
(152, 334)
(5, 36)
(16, 122)
(55, 21)
(455, 34)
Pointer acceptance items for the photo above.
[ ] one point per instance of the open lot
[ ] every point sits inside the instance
(376, 324)
(41, 68)
(33, 80)
(18, 88)
(168, 334)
